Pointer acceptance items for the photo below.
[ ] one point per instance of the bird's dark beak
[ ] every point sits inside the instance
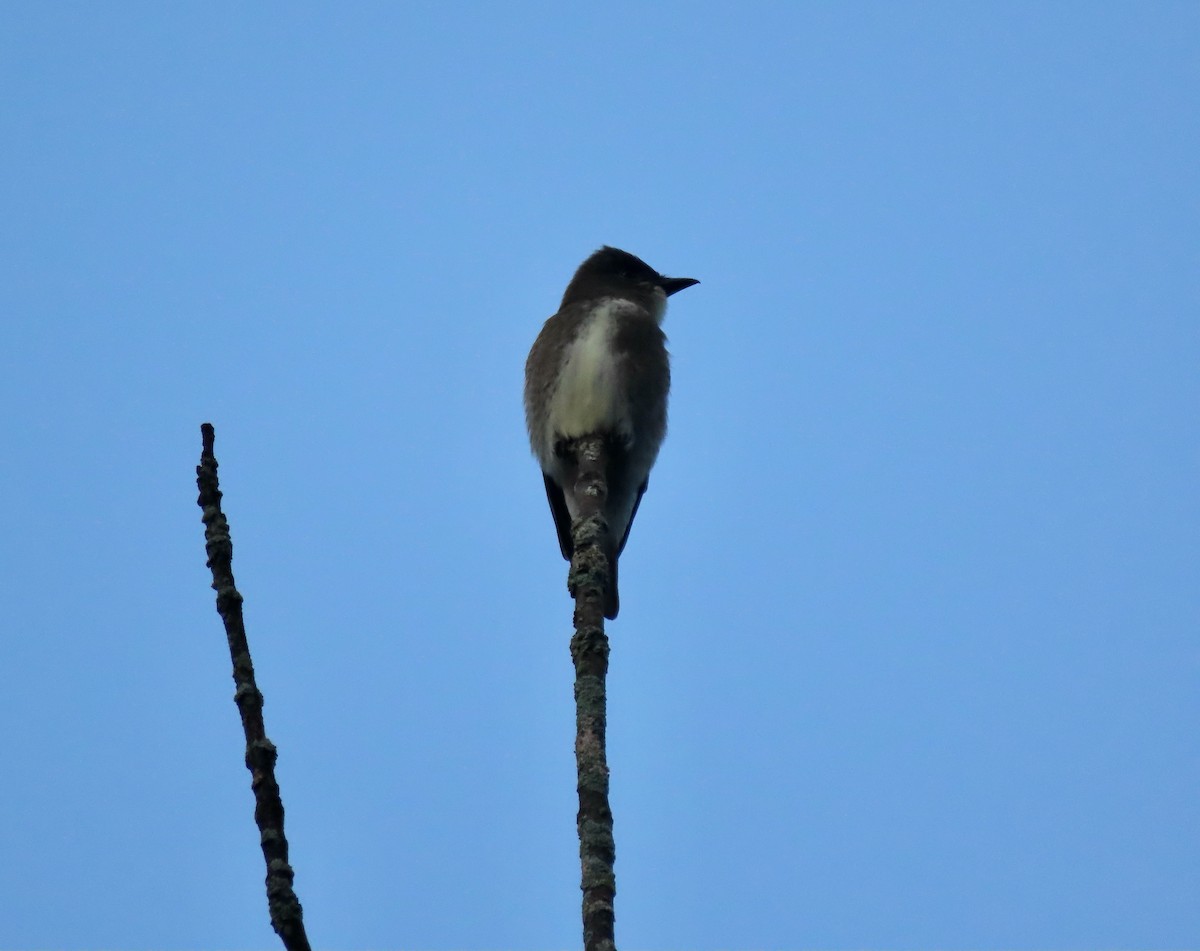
(672, 285)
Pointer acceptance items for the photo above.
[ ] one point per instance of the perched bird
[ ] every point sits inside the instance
(600, 367)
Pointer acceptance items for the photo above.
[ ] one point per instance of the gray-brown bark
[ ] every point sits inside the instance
(287, 917)
(587, 583)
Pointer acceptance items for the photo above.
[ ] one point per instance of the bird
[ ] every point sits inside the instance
(599, 367)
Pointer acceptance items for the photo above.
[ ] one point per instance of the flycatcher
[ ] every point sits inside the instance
(600, 368)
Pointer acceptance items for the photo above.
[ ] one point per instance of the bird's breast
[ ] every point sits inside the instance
(590, 396)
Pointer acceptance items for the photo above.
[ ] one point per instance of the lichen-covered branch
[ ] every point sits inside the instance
(287, 917)
(587, 583)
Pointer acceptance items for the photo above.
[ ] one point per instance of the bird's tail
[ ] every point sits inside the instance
(613, 604)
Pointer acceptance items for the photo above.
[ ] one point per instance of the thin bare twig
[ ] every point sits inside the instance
(287, 917)
(588, 583)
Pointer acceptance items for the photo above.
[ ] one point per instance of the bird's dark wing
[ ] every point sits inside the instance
(562, 518)
(636, 502)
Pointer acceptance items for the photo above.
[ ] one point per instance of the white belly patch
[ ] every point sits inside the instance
(588, 397)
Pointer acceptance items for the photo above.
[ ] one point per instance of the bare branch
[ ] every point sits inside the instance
(588, 584)
(287, 917)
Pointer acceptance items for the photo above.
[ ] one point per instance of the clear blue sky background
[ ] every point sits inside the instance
(907, 654)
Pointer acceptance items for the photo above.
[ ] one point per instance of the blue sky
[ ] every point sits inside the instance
(907, 652)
